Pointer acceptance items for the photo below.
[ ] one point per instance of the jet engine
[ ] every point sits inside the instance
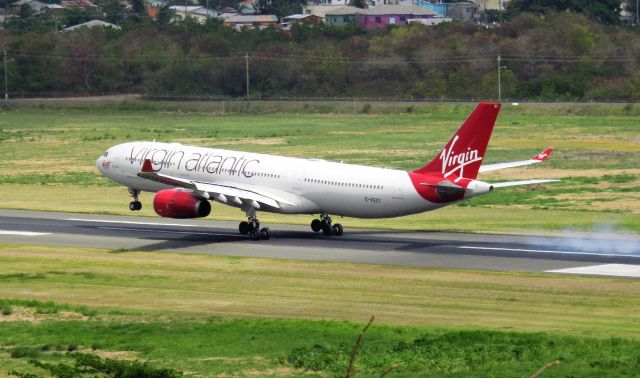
(181, 204)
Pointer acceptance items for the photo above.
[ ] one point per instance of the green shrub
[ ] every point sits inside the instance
(6, 310)
(25, 352)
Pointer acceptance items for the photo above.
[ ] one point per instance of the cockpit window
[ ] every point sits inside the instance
(105, 154)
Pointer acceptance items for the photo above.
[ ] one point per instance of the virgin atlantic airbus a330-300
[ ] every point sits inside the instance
(186, 178)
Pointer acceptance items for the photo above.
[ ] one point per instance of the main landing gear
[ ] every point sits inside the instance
(135, 205)
(324, 224)
(252, 228)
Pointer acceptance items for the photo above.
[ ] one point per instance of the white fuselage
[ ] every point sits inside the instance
(309, 186)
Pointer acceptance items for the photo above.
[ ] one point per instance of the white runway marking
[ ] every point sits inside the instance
(129, 222)
(23, 233)
(618, 270)
(550, 251)
(168, 232)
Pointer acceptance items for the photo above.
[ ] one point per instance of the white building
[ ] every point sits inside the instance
(197, 12)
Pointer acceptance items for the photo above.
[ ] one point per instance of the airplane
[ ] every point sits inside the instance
(186, 178)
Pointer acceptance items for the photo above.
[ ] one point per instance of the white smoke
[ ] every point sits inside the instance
(602, 238)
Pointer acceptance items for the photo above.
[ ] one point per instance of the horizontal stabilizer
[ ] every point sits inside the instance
(539, 158)
(518, 183)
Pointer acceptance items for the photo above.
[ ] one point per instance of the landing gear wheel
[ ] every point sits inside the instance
(252, 228)
(337, 229)
(135, 205)
(316, 225)
(326, 230)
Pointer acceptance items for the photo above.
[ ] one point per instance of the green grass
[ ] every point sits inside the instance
(209, 315)
(596, 157)
(237, 347)
(196, 285)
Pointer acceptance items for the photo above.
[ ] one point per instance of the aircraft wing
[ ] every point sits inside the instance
(539, 158)
(229, 193)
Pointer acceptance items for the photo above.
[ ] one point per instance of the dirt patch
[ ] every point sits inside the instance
(273, 372)
(362, 152)
(19, 314)
(28, 314)
(114, 355)
(223, 142)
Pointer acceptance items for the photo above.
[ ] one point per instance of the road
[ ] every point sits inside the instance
(611, 255)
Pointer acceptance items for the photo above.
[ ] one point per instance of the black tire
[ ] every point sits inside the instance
(316, 225)
(326, 230)
(337, 229)
(243, 228)
(254, 235)
(138, 205)
(132, 206)
(265, 233)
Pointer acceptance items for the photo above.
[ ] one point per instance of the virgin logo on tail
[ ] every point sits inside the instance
(452, 162)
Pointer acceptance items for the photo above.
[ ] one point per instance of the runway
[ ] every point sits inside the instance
(613, 255)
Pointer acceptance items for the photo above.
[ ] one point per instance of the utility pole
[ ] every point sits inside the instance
(246, 64)
(500, 68)
(6, 84)
(637, 16)
(499, 83)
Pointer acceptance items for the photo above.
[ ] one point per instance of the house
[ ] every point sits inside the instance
(467, 11)
(84, 4)
(36, 7)
(378, 17)
(311, 19)
(15, 7)
(197, 12)
(485, 5)
(92, 24)
(253, 22)
(247, 7)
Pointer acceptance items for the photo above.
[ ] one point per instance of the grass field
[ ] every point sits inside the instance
(47, 157)
(208, 315)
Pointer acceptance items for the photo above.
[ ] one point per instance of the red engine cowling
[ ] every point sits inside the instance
(180, 203)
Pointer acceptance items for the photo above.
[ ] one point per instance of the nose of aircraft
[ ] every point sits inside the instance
(103, 164)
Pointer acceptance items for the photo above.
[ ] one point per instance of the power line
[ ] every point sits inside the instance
(311, 58)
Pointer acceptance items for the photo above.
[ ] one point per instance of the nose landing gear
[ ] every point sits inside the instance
(135, 205)
(324, 224)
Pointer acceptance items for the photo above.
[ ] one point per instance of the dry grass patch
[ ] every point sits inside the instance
(29, 314)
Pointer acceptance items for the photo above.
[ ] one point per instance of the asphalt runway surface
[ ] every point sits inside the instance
(579, 253)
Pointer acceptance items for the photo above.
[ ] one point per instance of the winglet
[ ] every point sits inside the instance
(542, 156)
(147, 167)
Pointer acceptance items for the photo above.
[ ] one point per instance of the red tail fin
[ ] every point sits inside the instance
(463, 155)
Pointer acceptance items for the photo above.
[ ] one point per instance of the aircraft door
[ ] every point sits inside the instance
(297, 178)
(397, 191)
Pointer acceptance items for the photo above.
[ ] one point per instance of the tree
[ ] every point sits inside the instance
(605, 11)
(359, 4)
(165, 15)
(219, 4)
(280, 8)
(25, 11)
